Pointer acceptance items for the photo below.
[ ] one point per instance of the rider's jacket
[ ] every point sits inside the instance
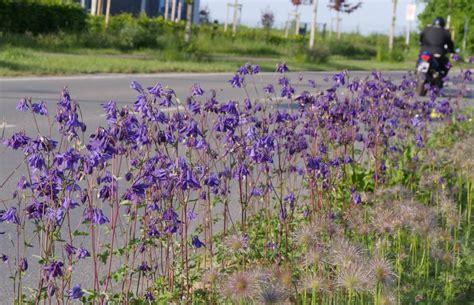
(436, 40)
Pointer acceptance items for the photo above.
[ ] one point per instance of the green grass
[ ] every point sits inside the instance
(20, 61)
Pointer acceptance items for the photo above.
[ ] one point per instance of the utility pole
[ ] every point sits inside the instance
(392, 26)
(235, 21)
(173, 10)
(297, 21)
(313, 24)
(143, 6)
(226, 17)
(410, 16)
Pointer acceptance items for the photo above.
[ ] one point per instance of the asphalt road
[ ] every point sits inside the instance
(90, 92)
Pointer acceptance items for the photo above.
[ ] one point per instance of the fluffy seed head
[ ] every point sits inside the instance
(240, 285)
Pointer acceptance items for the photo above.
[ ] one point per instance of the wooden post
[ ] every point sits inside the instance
(107, 13)
(173, 10)
(313, 24)
(94, 7)
(392, 26)
(167, 8)
(189, 20)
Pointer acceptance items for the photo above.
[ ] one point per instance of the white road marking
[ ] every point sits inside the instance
(5, 125)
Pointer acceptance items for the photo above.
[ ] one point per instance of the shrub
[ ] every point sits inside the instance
(317, 56)
(350, 49)
(22, 16)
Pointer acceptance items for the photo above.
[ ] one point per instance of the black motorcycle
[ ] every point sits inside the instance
(428, 71)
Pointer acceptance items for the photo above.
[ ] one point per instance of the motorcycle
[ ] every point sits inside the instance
(428, 71)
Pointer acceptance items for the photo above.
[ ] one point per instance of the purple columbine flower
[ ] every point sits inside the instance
(53, 270)
(76, 292)
(36, 161)
(149, 296)
(82, 253)
(255, 69)
(339, 78)
(22, 183)
(143, 267)
(269, 89)
(455, 57)
(95, 215)
(196, 90)
(282, 68)
(35, 210)
(70, 249)
(196, 242)
(236, 81)
(9, 216)
(39, 108)
(22, 105)
(136, 86)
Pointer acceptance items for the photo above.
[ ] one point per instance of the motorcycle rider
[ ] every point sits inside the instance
(436, 40)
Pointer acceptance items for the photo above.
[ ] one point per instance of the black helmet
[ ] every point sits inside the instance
(439, 21)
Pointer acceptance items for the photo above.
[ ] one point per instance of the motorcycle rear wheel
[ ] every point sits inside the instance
(420, 84)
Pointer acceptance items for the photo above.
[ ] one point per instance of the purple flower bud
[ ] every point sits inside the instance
(51, 290)
(23, 265)
(196, 242)
(4, 258)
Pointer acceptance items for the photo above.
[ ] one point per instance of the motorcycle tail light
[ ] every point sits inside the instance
(425, 57)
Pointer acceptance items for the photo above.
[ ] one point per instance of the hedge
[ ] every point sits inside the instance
(24, 16)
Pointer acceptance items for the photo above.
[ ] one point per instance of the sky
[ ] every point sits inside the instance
(373, 17)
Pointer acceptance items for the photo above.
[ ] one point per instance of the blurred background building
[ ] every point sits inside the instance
(153, 8)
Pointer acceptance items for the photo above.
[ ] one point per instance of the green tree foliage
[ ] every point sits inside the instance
(460, 9)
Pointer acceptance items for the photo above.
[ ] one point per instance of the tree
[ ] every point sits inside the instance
(345, 7)
(267, 19)
(459, 10)
(205, 16)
